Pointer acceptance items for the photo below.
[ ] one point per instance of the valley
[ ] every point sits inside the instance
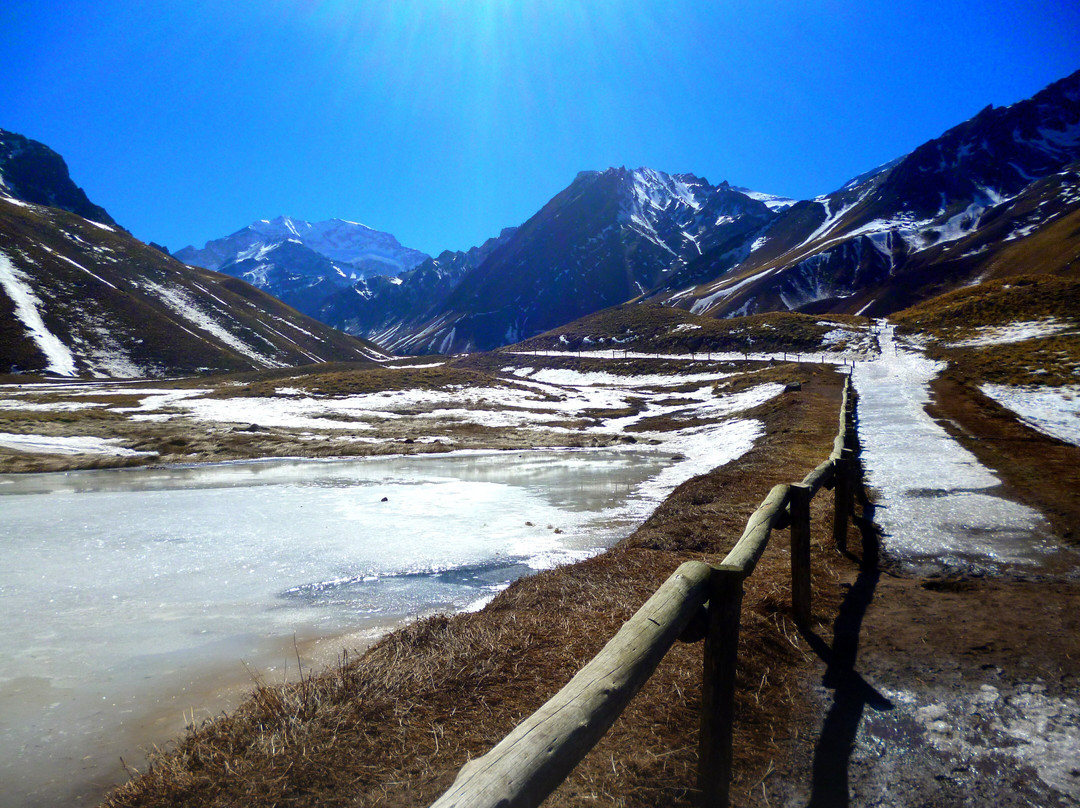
(228, 438)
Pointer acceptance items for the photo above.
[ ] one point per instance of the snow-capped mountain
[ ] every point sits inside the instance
(303, 263)
(381, 307)
(609, 237)
(80, 297)
(772, 201)
(904, 230)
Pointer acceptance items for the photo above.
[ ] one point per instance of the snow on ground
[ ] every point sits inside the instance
(568, 376)
(703, 449)
(27, 309)
(55, 406)
(157, 399)
(501, 407)
(980, 728)
(1013, 332)
(824, 357)
(187, 307)
(1054, 411)
(45, 444)
(934, 500)
(840, 335)
(79, 266)
(17, 202)
(542, 399)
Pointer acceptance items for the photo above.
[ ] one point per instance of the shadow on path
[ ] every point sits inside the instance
(829, 786)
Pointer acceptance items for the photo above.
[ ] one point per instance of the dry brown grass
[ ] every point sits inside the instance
(340, 381)
(392, 727)
(651, 327)
(1051, 360)
(1026, 297)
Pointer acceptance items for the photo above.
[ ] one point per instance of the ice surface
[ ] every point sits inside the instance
(51, 444)
(204, 566)
(122, 590)
(1054, 411)
(934, 500)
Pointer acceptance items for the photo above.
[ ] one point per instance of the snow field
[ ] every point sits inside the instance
(1054, 411)
(77, 445)
(27, 309)
(1012, 333)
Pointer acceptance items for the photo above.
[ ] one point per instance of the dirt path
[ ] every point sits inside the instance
(952, 684)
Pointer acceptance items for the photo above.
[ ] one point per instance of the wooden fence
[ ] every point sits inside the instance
(531, 762)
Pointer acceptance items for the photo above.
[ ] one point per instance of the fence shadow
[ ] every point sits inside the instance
(852, 694)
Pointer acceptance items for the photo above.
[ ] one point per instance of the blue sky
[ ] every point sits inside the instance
(442, 121)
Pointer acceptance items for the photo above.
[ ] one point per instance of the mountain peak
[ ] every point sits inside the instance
(32, 172)
(304, 262)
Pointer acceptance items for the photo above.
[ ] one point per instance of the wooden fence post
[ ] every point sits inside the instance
(537, 755)
(718, 686)
(800, 553)
(842, 499)
(850, 432)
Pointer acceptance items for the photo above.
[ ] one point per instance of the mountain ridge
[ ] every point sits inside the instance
(32, 172)
(81, 299)
(607, 237)
(888, 227)
(302, 263)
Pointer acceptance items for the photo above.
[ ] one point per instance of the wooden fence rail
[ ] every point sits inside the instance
(531, 762)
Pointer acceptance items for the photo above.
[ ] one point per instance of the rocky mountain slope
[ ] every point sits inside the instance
(954, 211)
(995, 196)
(34, 173)
(935, 218)
(608, 237)
(382, 307)
(81, 297)
(303, 263)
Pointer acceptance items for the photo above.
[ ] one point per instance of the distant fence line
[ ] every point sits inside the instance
(785, 356)
(534, 759)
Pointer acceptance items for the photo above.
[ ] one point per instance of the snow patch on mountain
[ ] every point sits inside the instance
(28, 310)
(771, 201)
(188, 308)
(362, 248)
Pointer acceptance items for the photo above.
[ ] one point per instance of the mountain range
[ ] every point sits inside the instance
(946, 214)
(995, 196)
(302, 263)
(79, 296)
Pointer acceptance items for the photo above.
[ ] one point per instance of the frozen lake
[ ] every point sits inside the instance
(129, 596)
